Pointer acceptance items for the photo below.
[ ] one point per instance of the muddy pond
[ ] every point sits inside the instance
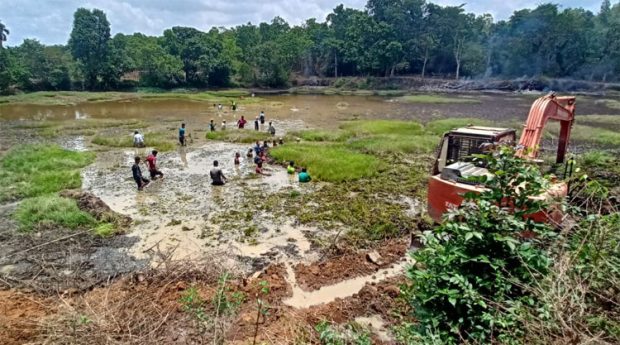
(183, 217)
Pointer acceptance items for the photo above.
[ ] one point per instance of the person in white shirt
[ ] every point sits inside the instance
(138, 139)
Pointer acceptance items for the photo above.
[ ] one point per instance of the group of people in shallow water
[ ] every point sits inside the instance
(259, 155)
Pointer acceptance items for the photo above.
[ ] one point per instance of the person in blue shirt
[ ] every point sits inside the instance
(182, 134)
(257, 149)
(304, 176)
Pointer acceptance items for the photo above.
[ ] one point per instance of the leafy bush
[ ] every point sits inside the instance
(476, 264)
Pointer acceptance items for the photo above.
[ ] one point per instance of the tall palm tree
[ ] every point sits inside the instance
(3, 33)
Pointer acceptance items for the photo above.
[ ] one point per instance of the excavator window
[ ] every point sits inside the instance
(460, 148)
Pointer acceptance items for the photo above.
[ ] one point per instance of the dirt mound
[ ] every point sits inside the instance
(21, 316)
(93, 205)
(336, 269)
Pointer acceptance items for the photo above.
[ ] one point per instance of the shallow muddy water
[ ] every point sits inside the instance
(314, 110)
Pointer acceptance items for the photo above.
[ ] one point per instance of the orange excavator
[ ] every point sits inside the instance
(453, 166)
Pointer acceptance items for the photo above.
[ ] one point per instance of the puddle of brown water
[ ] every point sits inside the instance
(172, 215)
(346, 288)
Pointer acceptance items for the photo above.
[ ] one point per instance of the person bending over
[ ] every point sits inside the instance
(259, 169)
(151, 161)
(217, 176)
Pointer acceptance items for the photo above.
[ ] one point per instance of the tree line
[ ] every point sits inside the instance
(387, 38)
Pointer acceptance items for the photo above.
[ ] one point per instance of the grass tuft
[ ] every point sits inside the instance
(381, 144)
(328, 162)
(51, 210)
(383, 127)
(34, 170)
(321, 135)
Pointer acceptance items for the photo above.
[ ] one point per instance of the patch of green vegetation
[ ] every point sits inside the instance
(381, 144)
(437, 99)
(52, 210)
(351, 333)
(239, 135)
(328, 162)
(321, 135)
(33, 170)
(595, 159)
(612, 103)
(86, 127)
(600, 136)
(160, 141)
(373, 127)
(599, 119)
(439, 127)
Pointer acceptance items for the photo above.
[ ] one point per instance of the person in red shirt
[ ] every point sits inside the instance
(241, 123)
(151, 161)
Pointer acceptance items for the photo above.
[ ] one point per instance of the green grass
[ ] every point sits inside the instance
(51, 210)
(33, 170)
(160, 141)
(239, 135)
(439, 127)
(374, 127)
(386, 143)
(52, 129)
(612, 103)
(328, 162)
(586, 134)
(599, 120)
(597, 158)
(321, 135)
(437, 99)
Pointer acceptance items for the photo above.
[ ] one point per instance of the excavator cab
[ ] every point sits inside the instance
(457, 147)
(454, 167)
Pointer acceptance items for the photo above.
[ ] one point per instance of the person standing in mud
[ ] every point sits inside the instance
(304, 176)
(137, 174)
(234, 106)
(241, 123)
(256, 124)
(237, 158)
(262, 117)
(212, 126)
(271, 129)
(182, 135)
(151, 161)
(217, 176)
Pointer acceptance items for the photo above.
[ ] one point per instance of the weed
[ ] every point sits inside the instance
(381, 144)
(349, 334)
(105, 229)
(33, 170)
(51, 210)
(193, 304)
(262, 307)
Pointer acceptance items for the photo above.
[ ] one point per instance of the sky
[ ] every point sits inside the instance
(50, 21)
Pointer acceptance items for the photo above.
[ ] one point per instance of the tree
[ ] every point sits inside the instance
(89, 44)
(3, 34)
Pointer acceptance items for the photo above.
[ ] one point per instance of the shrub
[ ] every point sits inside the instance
(476, 264)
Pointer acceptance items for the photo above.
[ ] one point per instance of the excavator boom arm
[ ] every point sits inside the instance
(543, 109)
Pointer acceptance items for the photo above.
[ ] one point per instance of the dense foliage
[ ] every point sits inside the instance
(387, 38)
(490, 274)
